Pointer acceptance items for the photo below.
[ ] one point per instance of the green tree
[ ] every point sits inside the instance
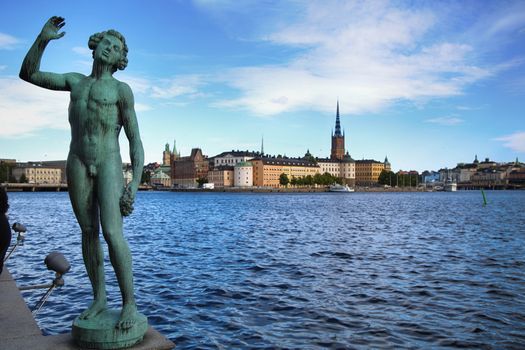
(308, 180)
(5, 172)
(318, 179)
(283, 180)
(23, 179)
(201, 181)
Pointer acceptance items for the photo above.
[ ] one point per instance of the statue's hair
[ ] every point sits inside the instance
(97, 37)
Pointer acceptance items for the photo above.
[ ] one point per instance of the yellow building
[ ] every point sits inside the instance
(38, 174)
(221, 176)
(267, 170)
(344, 168)
(367, 172)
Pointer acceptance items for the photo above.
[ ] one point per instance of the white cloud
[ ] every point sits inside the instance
(25, 108)
(178, 86)
(447, 121)
(83, 51)
(513, 20)
(369, 54)
(138, 84)
(165, 89)
(7, 41)
(141, 107)
(515, 141)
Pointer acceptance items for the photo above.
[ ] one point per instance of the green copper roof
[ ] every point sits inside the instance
(241, 164)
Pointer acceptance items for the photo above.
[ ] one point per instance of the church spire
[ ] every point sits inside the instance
(175, 149)
(262, 145)
(337, 122)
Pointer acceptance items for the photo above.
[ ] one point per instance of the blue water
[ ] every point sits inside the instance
(303, 271)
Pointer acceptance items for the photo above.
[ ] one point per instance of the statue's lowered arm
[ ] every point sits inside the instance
(136, 151)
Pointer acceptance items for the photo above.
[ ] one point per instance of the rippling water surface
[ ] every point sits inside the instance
(305, 271)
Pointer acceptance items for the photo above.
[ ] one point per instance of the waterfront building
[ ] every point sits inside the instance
(338, 139)
(516, 177)
(340, 164)
(169, 156)
(344, 168)
(430, 177)
(160, 178)
(36, 173)
(388, 166)
(233, 157)
(466, 171)
(367, 171)
(57, 164)
(221, 176)
(449, 175)
(489, 177)
(243, 174)
(487, 163)
(185, 171)
(267, 170)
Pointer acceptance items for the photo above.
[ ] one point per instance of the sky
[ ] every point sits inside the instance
(427, 83)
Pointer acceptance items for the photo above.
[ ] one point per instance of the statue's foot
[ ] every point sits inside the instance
(96, 307)
(128, 316)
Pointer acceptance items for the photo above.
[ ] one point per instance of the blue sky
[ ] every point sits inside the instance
(428, 84)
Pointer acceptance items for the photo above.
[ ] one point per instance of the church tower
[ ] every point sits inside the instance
(338, 139)
(166, 156)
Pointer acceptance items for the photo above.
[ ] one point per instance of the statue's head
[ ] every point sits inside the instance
(114, 41)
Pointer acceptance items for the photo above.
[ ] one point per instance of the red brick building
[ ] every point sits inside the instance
(185, 171)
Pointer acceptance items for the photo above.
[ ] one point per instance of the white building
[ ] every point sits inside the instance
(233, 157)
(344, 168)
(243, 174)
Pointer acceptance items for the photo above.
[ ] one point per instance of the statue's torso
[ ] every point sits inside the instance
(95, 120)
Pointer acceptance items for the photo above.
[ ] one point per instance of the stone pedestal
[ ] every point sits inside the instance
(100, 332)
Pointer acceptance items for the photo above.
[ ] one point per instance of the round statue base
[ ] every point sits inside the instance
(100, 332)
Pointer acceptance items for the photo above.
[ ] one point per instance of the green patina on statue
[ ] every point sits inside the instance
(100, 106)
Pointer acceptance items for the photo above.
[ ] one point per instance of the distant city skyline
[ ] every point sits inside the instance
(427, 84)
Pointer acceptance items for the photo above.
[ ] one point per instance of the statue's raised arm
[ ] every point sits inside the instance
(30, 70)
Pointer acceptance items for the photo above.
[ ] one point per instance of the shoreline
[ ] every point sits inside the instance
(63, 188)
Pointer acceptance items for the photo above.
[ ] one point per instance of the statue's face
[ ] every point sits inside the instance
(109, 50)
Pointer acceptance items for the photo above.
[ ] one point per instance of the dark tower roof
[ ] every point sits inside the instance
(337, 122)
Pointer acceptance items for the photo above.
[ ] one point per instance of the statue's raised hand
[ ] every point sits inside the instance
(51, 28)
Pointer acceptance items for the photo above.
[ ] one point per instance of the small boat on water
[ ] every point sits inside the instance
(340, 188)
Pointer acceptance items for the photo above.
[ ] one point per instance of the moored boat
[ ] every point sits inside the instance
(340, 188)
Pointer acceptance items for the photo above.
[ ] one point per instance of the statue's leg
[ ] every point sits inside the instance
(109, 191)
(82, 195)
